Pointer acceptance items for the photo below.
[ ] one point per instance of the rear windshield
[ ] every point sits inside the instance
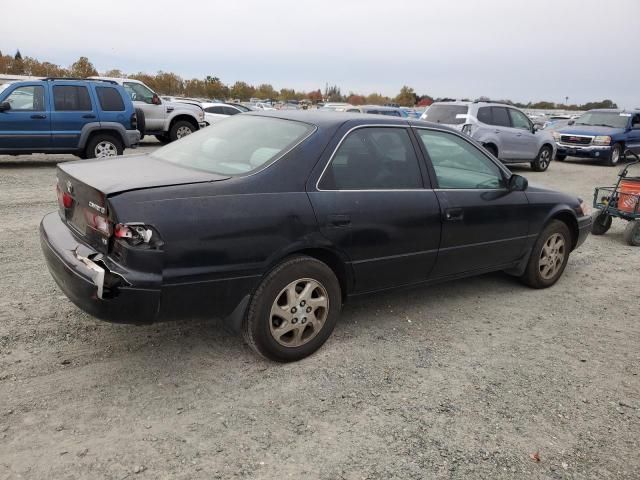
(447, 114)
(237, 145)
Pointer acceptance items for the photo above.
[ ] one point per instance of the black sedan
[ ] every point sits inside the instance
(273, 220)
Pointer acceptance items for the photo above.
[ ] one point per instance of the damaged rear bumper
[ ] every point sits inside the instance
(79, 272)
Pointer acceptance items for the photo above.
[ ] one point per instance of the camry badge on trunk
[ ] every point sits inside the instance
(97, 207)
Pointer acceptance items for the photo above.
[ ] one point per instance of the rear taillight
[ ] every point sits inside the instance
(97, 222)
(65, 200)
(134, 121)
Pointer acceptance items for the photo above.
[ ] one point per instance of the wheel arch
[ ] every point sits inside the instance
(185, 117)
(568, 217)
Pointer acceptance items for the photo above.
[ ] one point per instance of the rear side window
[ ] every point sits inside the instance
(484, 115)
(69, 98)
(373, 158)
(217, 110)
(230, 110)
(500, 117)
(447, 114)
(110, 99)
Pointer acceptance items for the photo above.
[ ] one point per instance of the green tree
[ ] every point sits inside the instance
(332, 94)
(266, 91)
(17, 64)
(377, 99)
(407, 97)
(83, 68)
(242, 91)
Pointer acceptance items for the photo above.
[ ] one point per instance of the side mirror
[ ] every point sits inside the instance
(571, 122)
(517, 183)
(156, 99)
(4, 106)
(536, 127)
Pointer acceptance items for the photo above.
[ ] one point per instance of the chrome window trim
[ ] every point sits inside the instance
(374, 125)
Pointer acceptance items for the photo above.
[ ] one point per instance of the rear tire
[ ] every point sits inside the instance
(294, 310)
(601, 222)
(615, 155)
(549, 256)
(163, 139)
(103, 145)
(632, 233)
(542, 161)
(181, 129)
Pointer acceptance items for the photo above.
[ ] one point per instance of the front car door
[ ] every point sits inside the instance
(143, 98)
(372, 205)
(526, 143)
(633, 137)
(26, 124)
(484, 225)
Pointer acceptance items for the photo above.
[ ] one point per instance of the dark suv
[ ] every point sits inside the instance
(87, 118)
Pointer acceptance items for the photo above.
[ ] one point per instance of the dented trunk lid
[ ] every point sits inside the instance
(91, 182)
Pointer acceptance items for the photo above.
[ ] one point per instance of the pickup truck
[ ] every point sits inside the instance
(168, 121)
(601, 134)
(88, 118)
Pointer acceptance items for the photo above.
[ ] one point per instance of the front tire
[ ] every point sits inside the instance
(180, 129)
(294, 310)
(601, 222)
(632, 233)
(615, 155)
(561, 157)
(542, 161)
(103, 145)
(549, 256)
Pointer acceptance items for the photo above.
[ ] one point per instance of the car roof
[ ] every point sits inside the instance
(607, 110)
(331, 119)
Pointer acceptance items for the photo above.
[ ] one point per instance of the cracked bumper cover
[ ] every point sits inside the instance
(71, 265)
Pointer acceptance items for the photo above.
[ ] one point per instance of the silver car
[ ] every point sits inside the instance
(503, 130)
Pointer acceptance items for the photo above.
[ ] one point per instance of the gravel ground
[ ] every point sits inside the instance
(471, 379)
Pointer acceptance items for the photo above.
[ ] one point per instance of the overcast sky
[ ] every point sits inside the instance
(517, 49)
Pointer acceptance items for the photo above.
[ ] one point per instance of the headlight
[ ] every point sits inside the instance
(556, 136)
(584, 208)
(602, 140)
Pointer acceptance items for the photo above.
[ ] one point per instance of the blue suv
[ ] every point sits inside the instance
(88, 118)
(603, 134)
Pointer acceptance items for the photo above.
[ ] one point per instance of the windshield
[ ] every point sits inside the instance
(604, 119)
(237, 145)
(447, 114)
(4, 86)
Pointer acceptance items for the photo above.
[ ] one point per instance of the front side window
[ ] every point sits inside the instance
(519, 120)
(373, 158)
(71, 98)
(26, 98)
(138, 92)
(110, 99)
(240, 145)
(458, 164)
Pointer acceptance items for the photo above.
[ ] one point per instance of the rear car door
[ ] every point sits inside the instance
(27, 123)
(505, 135)
(214, 114)
(372, 205)
(526, 143)
(73, 108)
(484, 225)
(633, 137)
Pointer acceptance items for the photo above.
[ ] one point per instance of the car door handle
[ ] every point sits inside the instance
(496, 131)
(453, 214)
(88, 115)
(339, 220)
(40, 116)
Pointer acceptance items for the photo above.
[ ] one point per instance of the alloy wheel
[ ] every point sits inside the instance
(543, 161)
(105, 149)
(183, 132)
(299, 312)
(552, 256)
